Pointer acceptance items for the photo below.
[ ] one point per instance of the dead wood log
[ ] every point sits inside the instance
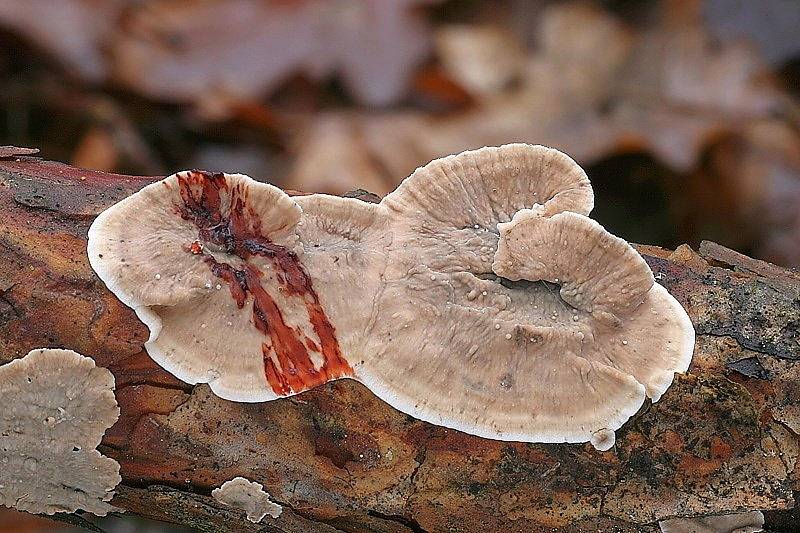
(724, 438)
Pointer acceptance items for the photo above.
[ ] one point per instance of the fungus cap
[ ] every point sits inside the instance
(248, 496)
(636, 326)
(443, 299)
(56, 406)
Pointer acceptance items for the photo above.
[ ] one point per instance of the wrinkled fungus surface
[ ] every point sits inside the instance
(478, 295)
(56, 406)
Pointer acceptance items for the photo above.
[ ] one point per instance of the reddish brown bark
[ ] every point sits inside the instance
(723, 438)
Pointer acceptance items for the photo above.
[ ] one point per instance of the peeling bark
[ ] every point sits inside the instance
(724, 438)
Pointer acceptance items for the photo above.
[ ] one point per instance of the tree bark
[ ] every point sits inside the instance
(724, 438)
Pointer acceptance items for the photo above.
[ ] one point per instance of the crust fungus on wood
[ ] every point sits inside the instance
(56, 406)
(261, 295)
(248, 496)
(751, 522)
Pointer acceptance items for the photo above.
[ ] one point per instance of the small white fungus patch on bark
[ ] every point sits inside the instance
(248, 496)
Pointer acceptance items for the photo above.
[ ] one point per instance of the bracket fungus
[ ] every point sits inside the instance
(749, 522)
(248, 496)
(56, 406)
(478, 295)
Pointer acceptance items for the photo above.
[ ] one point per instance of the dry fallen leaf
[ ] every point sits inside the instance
(483, 59)
(192, 51)
(71, 31)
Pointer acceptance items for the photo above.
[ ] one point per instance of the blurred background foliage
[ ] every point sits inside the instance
(685, 113)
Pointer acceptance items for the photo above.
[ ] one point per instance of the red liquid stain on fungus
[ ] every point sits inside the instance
(236, 230)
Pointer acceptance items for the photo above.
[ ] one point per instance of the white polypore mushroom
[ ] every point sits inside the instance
(443, 299)
(248, 496)
(56, 406)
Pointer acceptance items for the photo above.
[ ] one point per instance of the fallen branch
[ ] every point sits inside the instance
(724, 438)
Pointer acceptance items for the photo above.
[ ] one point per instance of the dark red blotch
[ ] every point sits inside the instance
(239, 234)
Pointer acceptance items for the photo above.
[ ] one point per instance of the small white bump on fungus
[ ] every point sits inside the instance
(294, 294)
(56, 406)
(603, 440)
(247, 496)
(749, 522)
